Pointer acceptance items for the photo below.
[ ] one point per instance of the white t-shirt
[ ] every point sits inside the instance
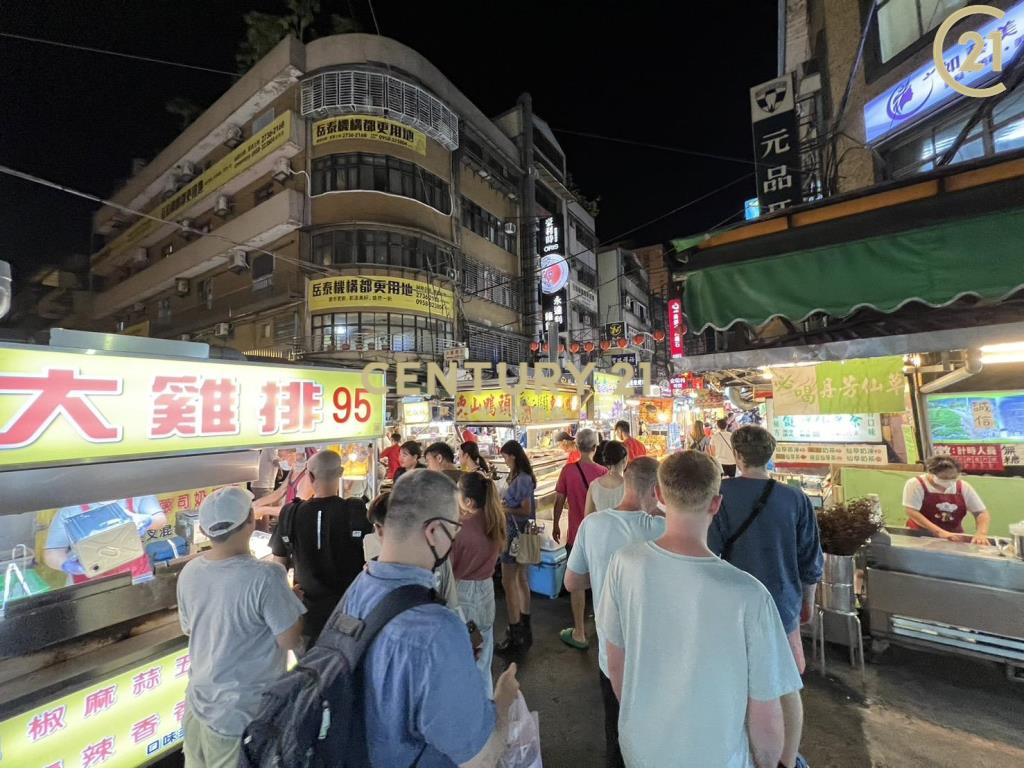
(601, 535)
(605, 498)
(267, 469)
(721, 442)
(913, 495)
(700, 638)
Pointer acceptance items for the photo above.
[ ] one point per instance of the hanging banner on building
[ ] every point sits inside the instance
(369, 127)
(239, 160)
(824, 453)
(676, 328)
(776, 144)
(61, 407)
(381, 294)
(874, 385)
(121, 722)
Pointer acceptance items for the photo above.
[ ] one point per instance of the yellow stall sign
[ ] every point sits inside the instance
(381, 294)
(122, 722)
(370, 128)
(546, 407)
(489, 406)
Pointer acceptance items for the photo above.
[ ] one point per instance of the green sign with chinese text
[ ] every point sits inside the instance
(874, 385)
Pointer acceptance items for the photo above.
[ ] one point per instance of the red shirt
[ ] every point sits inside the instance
(468, 437)
(634, 448)
(391, 454)
(571, 485)
(574, 456)
(473, 554)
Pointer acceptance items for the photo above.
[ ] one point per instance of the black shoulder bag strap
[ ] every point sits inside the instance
(286, 522)
(759, 506)
(586, 483)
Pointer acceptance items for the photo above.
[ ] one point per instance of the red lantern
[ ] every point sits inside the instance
(574, 347)
(622, 343)
(659, 335)
(605, 345)
(561, 347)
(546, 347)
(534, 346)
(639, 339)
(588, 347)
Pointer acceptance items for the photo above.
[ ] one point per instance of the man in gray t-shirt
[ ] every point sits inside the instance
(242, 619)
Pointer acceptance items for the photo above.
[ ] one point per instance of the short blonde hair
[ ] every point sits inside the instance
(689, 480)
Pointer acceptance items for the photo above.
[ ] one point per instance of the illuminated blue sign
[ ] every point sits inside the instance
(924, 91)
(751, 209)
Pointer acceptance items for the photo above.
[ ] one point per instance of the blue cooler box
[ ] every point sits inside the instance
(546, 577)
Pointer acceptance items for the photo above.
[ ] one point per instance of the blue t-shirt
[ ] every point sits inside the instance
(423, 686)
(519, 490)
(781, 548)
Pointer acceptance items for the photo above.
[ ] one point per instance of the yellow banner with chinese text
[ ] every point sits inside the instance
(384, 294)
(371, 128)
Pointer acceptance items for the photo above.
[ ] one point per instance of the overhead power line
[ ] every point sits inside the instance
(662, 147)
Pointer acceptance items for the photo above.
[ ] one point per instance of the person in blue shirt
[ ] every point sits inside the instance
(781, 548)
(426, 704)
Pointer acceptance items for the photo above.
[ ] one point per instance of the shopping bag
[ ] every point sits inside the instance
(523, 746)
(528, 551)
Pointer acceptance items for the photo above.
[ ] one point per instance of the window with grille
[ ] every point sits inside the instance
(487, 344)
(487, 225)
(586, 276)
(584, 236)
(359, 331)
(482, 281)
(380, 173)
(383, 247)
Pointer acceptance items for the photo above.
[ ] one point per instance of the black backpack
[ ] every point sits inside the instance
(312, 716)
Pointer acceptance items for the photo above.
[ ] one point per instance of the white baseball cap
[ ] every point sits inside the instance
(224, 510)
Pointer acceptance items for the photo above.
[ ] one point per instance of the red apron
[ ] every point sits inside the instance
(138, 568)
(939, 508)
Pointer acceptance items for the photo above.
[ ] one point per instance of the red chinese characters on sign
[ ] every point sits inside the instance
(98, 753)
(57, 393)
(291, 406)
(191, 406)
(975, 458)
(58, 764)
(145, 729)
(148, 680)
(676, 328)
(100, 701)
(48, 722)
(182, 664)
(179, 711)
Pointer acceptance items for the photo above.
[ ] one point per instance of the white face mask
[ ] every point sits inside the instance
(285, 465)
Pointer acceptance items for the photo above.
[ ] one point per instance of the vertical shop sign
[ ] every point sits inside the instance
(776, 144)
(554, 307)
(675, 328)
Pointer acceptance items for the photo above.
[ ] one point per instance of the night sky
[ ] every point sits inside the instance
(674, 74)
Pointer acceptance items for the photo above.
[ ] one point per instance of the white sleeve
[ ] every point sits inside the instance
(771, 670)
(578, 557)
(913, 494)
(609, 617)
(974, 503)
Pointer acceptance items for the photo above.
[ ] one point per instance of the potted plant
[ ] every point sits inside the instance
(845, 528)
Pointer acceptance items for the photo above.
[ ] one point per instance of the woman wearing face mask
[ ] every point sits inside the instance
(296, 486)
(938, 501)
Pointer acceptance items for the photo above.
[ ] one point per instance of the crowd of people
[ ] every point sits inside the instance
(699, 587)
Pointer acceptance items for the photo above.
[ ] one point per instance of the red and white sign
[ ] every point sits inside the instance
(554, 273)
(676, 328)
(974, 458)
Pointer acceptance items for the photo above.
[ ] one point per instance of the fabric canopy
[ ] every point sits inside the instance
(935, 265)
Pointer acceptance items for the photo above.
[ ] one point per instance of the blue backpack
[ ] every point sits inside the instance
(312, 716)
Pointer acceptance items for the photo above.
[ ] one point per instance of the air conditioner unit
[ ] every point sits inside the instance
(510, 227)
(140, 256)
(239, 262)
(171, 186)
(182, 286)
(222, 329)
(187, 171)
(234, 137)
(282, 170)
(223, 206)
(453, 274)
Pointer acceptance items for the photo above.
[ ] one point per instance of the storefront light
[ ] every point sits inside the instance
(995, 354)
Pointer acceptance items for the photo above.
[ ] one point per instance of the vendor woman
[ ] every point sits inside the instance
(938, 501)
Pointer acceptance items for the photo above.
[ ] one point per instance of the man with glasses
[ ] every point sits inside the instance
(426, 704)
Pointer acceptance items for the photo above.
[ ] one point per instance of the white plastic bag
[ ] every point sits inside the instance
(523, 750)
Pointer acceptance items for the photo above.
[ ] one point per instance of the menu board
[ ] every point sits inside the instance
(825, 453)
(828, 428)
(977, 417)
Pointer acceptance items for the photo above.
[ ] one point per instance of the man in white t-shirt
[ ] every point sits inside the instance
(602, 534)
(267, 478)
(720, 447)
(696, 650)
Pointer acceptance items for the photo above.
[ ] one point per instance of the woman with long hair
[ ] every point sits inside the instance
(607, 491)
(520, 506)
(475, 552)
(698, 439)
(470, 460)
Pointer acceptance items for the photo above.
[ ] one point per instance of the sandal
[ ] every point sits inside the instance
(566, 637)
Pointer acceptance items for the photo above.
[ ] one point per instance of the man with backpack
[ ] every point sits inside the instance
(241, 619)
(322, 539)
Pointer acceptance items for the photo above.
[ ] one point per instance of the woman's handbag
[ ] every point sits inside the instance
(527, 544)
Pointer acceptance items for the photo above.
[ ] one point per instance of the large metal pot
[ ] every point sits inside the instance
(1017, 534)
(837, 591)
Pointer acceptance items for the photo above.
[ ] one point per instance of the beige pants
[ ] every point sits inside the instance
(205, 748)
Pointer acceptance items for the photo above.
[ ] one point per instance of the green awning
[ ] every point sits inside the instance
(937, 265)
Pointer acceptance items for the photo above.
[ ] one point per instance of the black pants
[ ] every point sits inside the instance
(613, 756)
(729, 470)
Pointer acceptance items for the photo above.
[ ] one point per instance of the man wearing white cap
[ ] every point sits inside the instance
(242, 619)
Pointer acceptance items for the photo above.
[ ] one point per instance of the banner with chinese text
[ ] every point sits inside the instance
(122, 722)
(974, 458)
(488, 406)
(59, 407)
(546, 407)
(824, 453)
(526, 408)
(371, 128)
(874, 385)
(383, 294)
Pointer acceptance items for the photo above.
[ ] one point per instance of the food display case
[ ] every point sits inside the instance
(103, 438)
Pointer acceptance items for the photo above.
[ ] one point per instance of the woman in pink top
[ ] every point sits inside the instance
(573, 484)
(475, 552)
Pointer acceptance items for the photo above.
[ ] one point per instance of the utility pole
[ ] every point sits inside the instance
(529, 262)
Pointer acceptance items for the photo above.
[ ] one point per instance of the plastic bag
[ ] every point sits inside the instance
(523, 750)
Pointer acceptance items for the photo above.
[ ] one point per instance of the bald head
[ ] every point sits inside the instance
(418, 496)
(325, 466)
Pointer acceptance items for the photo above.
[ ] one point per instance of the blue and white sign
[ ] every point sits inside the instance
(924, 91)
(751, 209)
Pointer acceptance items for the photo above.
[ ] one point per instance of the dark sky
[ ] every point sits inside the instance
(669, 73)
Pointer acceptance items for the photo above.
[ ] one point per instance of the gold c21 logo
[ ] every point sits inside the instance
(977, 42)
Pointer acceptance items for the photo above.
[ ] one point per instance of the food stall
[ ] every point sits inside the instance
(607, 406)
(656, 416)
(93, 663)
(426, 421)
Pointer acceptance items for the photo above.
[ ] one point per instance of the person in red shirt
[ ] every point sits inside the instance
(568, 444)
(633, 446)
(390, 455)
(468, 435)
(573, 483)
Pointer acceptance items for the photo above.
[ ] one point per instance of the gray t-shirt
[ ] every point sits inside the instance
(233, 610)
